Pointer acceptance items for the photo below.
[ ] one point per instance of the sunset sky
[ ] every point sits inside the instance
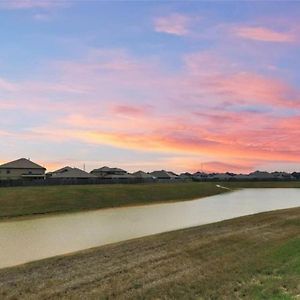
(151, 84)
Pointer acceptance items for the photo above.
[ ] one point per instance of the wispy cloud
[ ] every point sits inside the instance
(174, 24)
(30, 4)
(131, 110)
(42, 17)
(263, 34)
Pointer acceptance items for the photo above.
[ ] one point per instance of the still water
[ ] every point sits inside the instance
(28, 240)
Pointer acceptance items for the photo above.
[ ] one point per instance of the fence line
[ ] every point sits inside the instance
(91, 181)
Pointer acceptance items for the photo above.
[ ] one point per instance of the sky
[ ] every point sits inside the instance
(176, 85)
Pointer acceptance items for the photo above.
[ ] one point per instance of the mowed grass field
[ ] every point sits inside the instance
(253, 257)
(27, 201)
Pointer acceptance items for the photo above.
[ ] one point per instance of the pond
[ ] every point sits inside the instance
(27, 240)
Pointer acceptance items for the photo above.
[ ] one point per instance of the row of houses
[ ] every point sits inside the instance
(26, 169)
(257, 175)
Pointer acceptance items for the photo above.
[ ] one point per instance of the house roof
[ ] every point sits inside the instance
(69, 172)
(108, 169)
(64, 169)
(200, 174)
(21, 163)
(172, 174)
(141, 174)
(163, 174)
(281, 174)
(220, 176)
(241, 176)
(185, 175)
(260, 174)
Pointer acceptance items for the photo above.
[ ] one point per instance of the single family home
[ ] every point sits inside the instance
(70, 173)
(164, 175)
(106, 172)
(21, 169)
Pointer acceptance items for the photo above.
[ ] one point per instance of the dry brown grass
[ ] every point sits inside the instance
(254, 257)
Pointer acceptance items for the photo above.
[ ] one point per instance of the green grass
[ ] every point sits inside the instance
(275, 274)
(278, 277)
(23, 201)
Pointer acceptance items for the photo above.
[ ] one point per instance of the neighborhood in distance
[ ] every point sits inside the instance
(24, 171)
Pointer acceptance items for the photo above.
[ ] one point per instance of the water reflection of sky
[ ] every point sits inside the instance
(28, 240)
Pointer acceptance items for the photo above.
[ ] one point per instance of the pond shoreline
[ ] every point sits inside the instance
(34, 201)
(38, 202)
(64, 213)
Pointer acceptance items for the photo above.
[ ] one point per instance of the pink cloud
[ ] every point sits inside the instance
(237, 167)
(194, 113)
(175, 24)
(266, 140)
(6, 85)
(263, 34)
(251, 87)
(130, 110)
(209, 77)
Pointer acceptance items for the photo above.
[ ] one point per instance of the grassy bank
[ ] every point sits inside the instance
(25, 201)
(253, 257)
